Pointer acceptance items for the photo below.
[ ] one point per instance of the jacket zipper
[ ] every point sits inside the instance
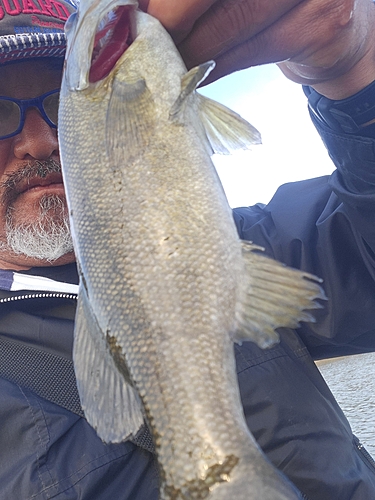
(365, 455)
(40, 295)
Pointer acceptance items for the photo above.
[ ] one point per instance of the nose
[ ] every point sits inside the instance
(37, 139)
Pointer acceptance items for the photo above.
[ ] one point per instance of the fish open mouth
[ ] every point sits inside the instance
(111, 41)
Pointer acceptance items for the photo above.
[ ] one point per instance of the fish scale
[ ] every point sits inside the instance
(165, 283)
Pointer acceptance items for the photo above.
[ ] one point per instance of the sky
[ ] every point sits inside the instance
(291, 149)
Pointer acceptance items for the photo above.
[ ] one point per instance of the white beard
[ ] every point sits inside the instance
(48, 238)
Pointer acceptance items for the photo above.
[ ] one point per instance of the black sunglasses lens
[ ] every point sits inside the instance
(51, 106)
(10, 116)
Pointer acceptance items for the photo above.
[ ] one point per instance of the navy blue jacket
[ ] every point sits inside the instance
(325, 226)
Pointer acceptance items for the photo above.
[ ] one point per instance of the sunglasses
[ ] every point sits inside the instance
(13, 112)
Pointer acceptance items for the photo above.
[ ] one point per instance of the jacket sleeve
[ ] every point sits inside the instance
(326, 226)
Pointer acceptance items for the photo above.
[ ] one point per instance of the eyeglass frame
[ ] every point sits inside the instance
(24, 105)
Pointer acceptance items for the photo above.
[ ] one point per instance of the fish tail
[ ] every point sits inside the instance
(254, 481)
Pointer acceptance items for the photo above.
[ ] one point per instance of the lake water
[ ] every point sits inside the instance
(352, 381)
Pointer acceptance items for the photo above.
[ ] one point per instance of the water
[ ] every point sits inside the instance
(352, 382)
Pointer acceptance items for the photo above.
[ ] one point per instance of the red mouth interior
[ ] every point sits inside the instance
(118, 40)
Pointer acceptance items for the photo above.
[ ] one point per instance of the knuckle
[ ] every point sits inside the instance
(339, 13)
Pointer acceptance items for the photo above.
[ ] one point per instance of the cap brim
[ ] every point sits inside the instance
(30, 46)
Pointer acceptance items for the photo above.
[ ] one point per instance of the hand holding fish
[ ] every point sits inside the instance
(326, 44)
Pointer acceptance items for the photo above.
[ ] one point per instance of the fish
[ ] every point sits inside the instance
(166, 285)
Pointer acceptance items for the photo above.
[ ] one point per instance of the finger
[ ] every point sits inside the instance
(300, 35)
(143, 4)
(177, 16)
(230, 23)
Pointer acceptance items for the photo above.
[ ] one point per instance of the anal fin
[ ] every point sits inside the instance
(274, 296)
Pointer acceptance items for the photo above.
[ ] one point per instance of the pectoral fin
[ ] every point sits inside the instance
(274, 296)
(110, 403)
(130, 120)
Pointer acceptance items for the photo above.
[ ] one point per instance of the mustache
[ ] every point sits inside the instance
(14, 182)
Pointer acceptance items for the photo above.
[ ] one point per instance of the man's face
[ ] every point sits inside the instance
(33, 213)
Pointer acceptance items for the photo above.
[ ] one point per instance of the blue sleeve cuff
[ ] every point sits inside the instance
(346, 116)
(351, 147)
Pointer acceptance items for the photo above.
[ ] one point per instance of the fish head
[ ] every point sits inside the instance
(97, 36)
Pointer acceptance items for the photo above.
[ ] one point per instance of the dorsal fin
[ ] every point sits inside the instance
(109, 400)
